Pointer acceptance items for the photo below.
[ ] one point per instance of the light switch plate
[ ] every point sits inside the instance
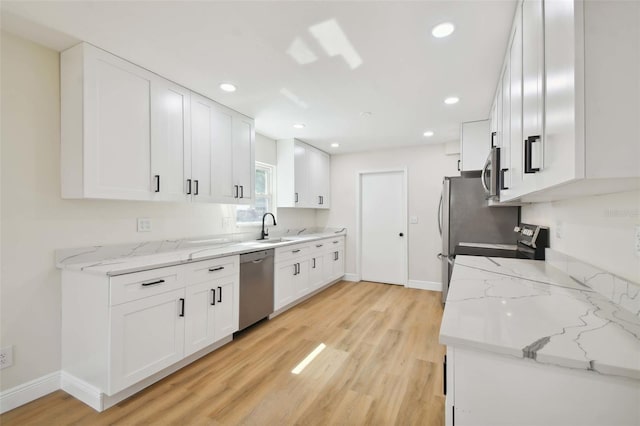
(144, 224)
(6, 357)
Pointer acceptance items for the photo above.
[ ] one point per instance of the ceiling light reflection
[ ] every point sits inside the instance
(298, 368)
(293, 98)
(335, 42)
(443, 30)
(300, 52)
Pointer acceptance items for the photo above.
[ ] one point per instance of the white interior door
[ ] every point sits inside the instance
(383, 227)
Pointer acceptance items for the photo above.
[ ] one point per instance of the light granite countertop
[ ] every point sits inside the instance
(127, 258)
(530, 309)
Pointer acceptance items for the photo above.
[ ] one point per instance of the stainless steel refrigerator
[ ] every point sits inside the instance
(465, 216)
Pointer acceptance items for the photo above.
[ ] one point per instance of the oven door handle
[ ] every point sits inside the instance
(483, 175)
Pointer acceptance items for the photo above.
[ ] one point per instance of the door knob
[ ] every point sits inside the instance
(401, 234)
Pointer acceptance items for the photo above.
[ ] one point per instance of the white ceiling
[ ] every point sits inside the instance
(344, 58)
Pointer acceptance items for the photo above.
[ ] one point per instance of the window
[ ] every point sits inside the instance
(252, 215)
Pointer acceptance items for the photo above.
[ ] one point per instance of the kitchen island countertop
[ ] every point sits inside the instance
(531, 310)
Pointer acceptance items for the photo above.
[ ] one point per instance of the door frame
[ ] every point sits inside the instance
(405, 205)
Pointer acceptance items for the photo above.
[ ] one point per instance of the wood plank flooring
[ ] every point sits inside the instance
(382, 365)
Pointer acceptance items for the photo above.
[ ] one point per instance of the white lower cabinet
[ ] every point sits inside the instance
(119, 331)
(147, 335)
(483, 388)
(303, 268)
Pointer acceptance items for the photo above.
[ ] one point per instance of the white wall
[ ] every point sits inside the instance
(599, 230)
(426, 165)
(36, 221)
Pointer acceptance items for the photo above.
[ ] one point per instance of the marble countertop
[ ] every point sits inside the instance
(530, 309)
(127, 258)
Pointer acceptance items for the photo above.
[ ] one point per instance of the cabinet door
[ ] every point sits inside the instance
(476, 144)
(301, 284)
(301, 174)
(147, 335)
(226, 307)
(317, 270)
(564, 137)
(338, 264)
(199, 316)
(284, 276)
(505, 130)
(314, 176)
(325, 180)
(117, 139)
(244, 163)
(532, 89)
(202, 148)
(222, 181)
(515, 89)
(170, 140)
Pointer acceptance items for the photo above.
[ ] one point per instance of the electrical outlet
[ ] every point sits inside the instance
(144, 224)
(226, 222)
(6, 357)
(559, 230)
(638, 240)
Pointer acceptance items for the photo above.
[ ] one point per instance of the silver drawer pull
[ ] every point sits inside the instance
(319, 245)
(295, 251)
(219, 268)
(336, 242)
(152, 283)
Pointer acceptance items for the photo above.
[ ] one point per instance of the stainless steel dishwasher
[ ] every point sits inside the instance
(256, 286)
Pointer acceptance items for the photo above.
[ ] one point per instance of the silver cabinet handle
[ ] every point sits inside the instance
(219, 268)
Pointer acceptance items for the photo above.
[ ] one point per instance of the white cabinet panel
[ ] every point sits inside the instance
(170, 140)
(284, 278)
(475, 138)
(147, 335)
(532, 92)
(301, 282)
(105, 133)
(317, 270)
(222, 154)
(304, 175)
(226, 307)
(243, 161)
(199, 316)
(301, 175)
(515, 114)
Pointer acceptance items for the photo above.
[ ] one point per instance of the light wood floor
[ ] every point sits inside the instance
(382, 365)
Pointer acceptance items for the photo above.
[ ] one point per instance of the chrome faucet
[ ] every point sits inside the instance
(265, 233)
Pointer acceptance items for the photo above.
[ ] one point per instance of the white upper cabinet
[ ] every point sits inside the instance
(573, 118)
(130, 134)
(170, 140)
(106, 122)
(243, 159)
(475, 144)
(304, 175)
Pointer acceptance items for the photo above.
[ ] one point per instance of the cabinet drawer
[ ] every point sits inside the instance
(128, 287)
(292, 252)
(212, 269)
(332, 244)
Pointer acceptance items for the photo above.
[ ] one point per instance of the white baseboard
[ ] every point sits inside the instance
(30, 391)
(79, 389)
(424, 285)
(351, 277)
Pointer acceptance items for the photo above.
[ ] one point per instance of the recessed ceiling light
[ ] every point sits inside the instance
(451, 100)
(335, 145)
(227, 87)
(299, 126)
(443, 30)
(428, 133)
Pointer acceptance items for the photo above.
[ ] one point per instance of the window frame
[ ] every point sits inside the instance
(271, 194)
